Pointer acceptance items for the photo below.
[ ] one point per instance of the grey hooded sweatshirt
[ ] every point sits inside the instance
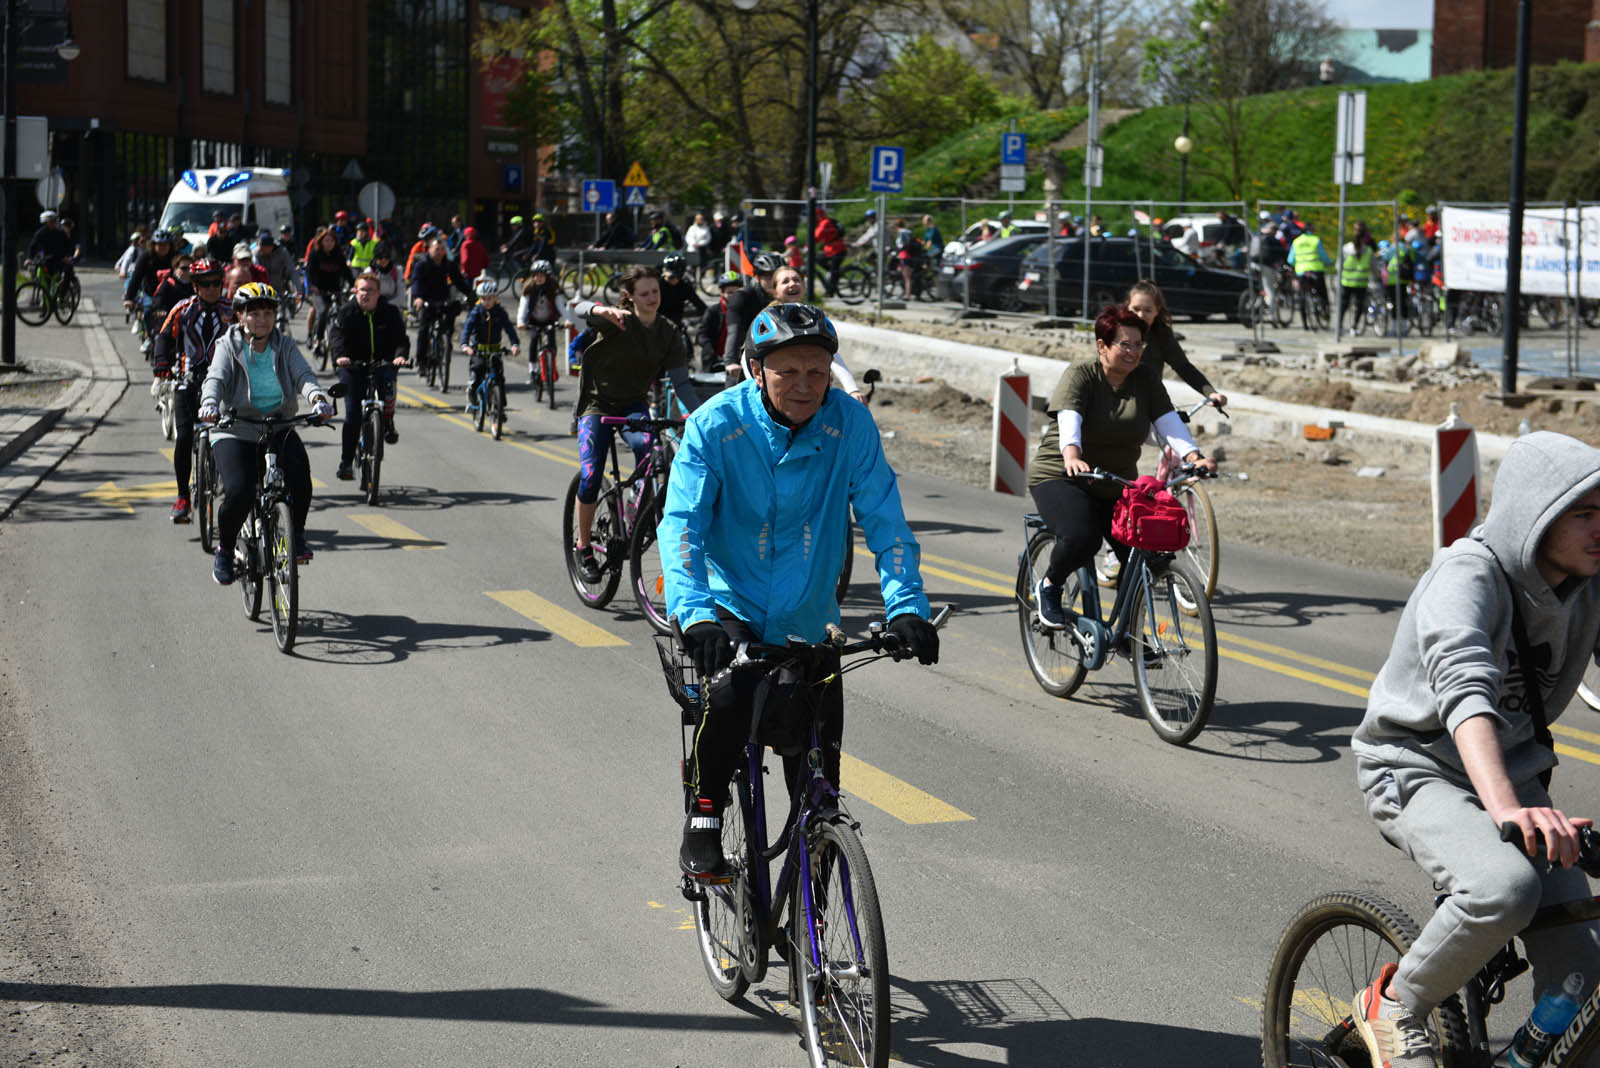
(1454, 656)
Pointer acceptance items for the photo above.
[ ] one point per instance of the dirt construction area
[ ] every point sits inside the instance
(1291, 495)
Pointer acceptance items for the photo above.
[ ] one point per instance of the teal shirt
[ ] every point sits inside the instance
(266, 392)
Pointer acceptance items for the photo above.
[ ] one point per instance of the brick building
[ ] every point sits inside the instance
(1482, 34)
(311, 85)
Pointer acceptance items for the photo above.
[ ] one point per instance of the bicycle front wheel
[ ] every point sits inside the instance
(1174, 657)
(605, 537)
(480, 399)
(442, 356)
(548, 374)
(645, 573)
(1204, 552)
(33, 306)
(202, 497)
(283, 574)
(841, 588)
(855, 282)
(843, 960)
(248, 569)
(371, 454)
(1332, 949)
(724, 914)
(1054, 656)
(67, 296)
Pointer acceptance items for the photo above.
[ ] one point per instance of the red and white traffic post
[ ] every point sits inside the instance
(1008, 456)
(1455, 479)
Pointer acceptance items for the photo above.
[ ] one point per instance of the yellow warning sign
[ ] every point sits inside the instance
(636, 175)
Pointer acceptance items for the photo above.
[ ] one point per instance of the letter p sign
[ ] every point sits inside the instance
(887, 174)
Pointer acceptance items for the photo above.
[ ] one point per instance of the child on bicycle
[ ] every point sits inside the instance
(487, 327)
(541, 307)
(1456, 741)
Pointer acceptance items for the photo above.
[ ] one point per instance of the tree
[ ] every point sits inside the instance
(1043, 49)
(927, 91)
(1218, 52)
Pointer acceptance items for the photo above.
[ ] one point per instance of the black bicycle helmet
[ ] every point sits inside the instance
(790, 324)
(674, 265)
(766, 262)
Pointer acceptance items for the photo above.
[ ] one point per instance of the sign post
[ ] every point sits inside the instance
(637, 183)
(1349, 168)
(886, 175)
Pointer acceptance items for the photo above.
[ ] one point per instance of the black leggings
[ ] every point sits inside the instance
(185, 407)
(1079, 520)
(238, 461)
(720, 741)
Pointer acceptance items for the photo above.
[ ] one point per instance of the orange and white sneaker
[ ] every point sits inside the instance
(1394, 1036)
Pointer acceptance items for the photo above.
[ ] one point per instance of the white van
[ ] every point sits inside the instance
(260, 195)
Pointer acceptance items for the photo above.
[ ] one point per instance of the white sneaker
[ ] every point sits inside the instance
(1394, 1036)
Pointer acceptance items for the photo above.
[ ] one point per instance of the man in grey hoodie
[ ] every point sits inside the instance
(1491, 646)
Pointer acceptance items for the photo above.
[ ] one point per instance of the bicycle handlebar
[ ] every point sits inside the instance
(1588, 845)
(879, 640)
(1204, 401)
(1182, 473)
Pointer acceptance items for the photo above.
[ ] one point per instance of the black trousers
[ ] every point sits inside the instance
(356, 380)
(719, 743)
(1080, 522)
(238, 462)
(185, 407)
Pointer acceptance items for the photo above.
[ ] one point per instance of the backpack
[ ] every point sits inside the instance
(1148, 517)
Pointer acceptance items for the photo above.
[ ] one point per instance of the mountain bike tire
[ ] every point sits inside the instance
(608, 527)
(1174, 657)
(33, 305)
(480, 399)
(855, 283)
(1054, 656)
(548, 375)
(283, 574)
(372, 454)
(443, 355)
(1329, 952)
(844, 983)
(497, 411)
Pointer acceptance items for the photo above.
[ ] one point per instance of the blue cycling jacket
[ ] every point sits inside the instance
(756, 515)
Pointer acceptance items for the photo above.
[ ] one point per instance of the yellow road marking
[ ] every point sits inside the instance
(1577, 754)
(399, 533)
(1574, 732)
(168, 454)
(930, 569)
(423, 399)
(899, 799)
(448, 412)
(1290, 654)
(1296, 673)
(115, 496)
(554, 618)
(973, 568)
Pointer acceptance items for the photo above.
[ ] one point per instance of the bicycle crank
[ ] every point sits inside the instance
(1093, 639)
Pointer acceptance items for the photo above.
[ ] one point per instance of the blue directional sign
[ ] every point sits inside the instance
(1014, 149)
(888, 171)
(599, 194)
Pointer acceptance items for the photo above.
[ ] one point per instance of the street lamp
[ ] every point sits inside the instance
(1182, 143)
(811, 140)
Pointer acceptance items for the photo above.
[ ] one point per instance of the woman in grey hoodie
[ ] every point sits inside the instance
(1491, 647)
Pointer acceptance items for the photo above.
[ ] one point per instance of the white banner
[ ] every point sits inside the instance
(1475, 250)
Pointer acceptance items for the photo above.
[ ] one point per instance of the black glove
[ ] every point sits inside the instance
(709, 646)
(917, 637)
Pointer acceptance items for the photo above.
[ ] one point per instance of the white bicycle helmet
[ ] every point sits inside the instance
(46, 215)
(486, 287)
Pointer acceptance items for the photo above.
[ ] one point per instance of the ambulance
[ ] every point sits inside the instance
(259, 195)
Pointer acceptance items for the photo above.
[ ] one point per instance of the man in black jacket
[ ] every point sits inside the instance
(432, 278)
(367, 336)
(743, 307)
(617, 234)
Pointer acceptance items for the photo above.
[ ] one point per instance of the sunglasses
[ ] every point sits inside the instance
(201, 283)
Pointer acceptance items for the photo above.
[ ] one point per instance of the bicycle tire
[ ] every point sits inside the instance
(1204, 551)
(1054, 656)
(608, 527)
(1174, 658)
(841, 587)
(645, 574)
(844, 1003)
(1329, 952)
(248, 569)
(480, 402)
(283, 575)
(33, 304)
(68, 293)
(444, 356)
(426, 355)
(855, 282)
(725, 926)
(548, 375)
(201, 498)
(1245, 308)
(1589, 688)
(497, 416)
(164, 406)
(372, 454)
(1282, 310)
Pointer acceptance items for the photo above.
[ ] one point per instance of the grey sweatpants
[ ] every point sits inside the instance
(1493, 890)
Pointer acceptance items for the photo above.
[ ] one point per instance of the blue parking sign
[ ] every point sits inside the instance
(511, 178)
(1014, 149)
(887, 174)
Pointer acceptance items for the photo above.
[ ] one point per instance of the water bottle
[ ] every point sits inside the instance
(1550, 1017)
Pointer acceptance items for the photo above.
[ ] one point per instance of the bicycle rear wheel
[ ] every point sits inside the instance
(33, 306)
(1174, 657)
(645, 573)
(725, 923)
(427, 357)
(1054, 656)
(283, 574)
(1204, 552)
(68, 293)
(497, 408)
(1283, 308)
(248, 567)
(606, 542)
(843, 961)
(548, 375)
(1332, 949)
(855, 283)
(371, 454)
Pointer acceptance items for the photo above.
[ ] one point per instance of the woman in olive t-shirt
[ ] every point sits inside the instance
(1101, 413)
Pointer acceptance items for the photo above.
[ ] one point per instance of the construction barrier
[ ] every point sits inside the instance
(1008, 458)
(1455, 479)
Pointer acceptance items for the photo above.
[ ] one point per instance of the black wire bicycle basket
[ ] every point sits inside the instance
(683, 681)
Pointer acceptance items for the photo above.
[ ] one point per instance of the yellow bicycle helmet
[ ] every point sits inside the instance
(256, 293)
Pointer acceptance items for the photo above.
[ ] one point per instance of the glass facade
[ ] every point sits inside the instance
(419, 71)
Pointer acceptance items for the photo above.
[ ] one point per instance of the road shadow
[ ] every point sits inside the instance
(359, 640)
(865, 598)
(525, 1005)
(1302, 732)
(937, 526)
(1239, 608)
(397, 496)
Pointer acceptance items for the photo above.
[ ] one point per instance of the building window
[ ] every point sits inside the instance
(278, 53)
(147, 39)
(216, 74)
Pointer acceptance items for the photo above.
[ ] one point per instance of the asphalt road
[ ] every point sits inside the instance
(444, 831)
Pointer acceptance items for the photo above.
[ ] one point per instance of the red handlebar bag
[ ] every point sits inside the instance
(1148, 517)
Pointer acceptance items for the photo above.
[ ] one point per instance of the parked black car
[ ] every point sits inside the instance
(990, 269)
(1115, 263)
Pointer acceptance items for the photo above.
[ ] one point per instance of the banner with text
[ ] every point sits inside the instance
(1475, 250)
